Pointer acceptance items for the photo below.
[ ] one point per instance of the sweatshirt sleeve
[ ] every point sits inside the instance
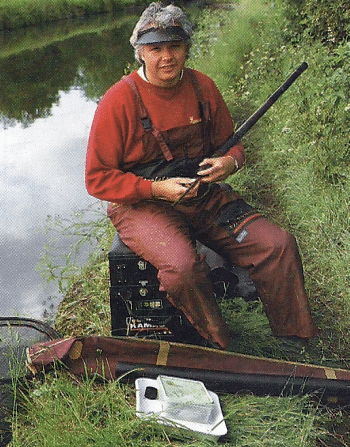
(237, 152)
(109, 136)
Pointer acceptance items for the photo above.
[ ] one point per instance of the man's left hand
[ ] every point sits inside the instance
(216, 169)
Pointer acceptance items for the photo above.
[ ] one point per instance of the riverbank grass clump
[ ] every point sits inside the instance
(91, 412)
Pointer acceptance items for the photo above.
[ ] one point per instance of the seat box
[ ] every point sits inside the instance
(140, 310)
(138, 307)
(127, 268)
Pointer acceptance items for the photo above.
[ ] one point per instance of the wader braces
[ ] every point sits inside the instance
(147, 125)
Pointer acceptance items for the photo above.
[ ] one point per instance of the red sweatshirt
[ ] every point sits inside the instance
(115, 143)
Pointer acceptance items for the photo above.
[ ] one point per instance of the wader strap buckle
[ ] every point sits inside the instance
(146, 123)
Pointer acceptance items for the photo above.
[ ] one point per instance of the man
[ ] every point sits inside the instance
(153, 132)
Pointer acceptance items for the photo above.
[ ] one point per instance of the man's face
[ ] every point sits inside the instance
(164, 62)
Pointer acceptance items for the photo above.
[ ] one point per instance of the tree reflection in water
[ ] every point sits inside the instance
(51, 80)
(91, 57)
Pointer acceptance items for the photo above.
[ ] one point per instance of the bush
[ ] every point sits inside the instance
(328, 20)
(300, 162)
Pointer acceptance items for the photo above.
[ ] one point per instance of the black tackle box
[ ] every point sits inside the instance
(138, 307)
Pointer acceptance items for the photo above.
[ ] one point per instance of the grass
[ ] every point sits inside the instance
(88, 412)
(305, 158)
(298, 153)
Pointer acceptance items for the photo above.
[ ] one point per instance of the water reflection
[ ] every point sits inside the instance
(42, 165)
(32, 79)
(42, 171)
(47, 101)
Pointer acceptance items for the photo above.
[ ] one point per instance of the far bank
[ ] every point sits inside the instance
(23, 13)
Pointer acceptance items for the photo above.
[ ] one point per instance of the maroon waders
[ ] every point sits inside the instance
(163, 235)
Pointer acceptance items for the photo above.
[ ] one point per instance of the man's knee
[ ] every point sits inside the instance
(277, 241)
(185, 274)
(284, 245)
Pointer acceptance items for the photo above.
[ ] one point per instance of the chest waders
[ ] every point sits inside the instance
(175, 162)
(182, 149)
(159, 233)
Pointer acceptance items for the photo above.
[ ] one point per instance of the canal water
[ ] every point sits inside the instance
(51, 79)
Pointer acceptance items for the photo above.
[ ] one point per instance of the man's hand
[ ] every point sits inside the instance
(173, 188)
(217, 169)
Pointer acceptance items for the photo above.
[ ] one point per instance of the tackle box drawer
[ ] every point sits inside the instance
(139, 309)
(127, 268)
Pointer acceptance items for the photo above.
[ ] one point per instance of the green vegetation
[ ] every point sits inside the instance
(297, 175)
(299, 152)
(66, 412)
(62, 54)
(33, 38)
(20, 13)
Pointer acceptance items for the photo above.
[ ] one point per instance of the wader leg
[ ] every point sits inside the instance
(271, 257)
(159, 235)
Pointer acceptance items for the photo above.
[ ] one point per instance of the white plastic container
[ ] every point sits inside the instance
(184, 399)
(181, 403)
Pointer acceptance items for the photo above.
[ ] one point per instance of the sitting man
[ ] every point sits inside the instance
(152, 133)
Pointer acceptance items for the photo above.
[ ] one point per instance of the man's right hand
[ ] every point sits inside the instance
(173, 188)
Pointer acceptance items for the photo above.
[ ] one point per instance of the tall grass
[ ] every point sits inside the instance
(298, 153)
(222, 45)
(62, 412)
(85, 412)
(301, 149)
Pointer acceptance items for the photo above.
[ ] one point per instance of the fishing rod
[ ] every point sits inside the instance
(249, 123)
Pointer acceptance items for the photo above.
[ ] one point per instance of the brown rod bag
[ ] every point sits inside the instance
(112, 357)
